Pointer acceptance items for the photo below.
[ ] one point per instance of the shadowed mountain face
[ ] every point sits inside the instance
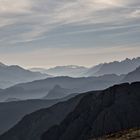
(132, 76)
(114, 109)
(19, 109)
(11, 75)
(39, 89)
(32, 126)
(12, 112)
(86, 116)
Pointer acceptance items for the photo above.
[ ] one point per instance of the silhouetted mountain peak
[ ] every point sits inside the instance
(58, 92)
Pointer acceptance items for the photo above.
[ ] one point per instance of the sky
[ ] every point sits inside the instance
(47, 33)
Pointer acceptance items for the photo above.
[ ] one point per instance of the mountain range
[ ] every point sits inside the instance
(122, 67)
(83, 117)
(55, 95)
(40, 88)
(70, 70)
(90, 102)
(14, 74)
(59, 87)
(116, 67)
(11, 75)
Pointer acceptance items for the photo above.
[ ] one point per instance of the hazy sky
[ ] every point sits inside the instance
(47, 33)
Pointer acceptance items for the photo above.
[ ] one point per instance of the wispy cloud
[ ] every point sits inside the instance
(14, 6)
(42, 16)
(27, 25)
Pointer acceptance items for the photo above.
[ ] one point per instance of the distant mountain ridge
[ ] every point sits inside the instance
(116, 67)
(132, 76)
(11, 75)
(91, 71)
(40, 88)
(70, 70)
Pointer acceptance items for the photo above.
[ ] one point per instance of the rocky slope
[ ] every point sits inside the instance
(12, 112)
(114, 109)
(131, 134)
(83, 117)
(18, 109)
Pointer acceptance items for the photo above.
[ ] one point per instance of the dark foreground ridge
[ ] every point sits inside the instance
(32, 126)
(83, 117)
(114, 109)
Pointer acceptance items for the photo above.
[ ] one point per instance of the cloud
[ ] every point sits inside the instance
(81, 32)
(37, 23)
(135, 14)
(14, 6)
